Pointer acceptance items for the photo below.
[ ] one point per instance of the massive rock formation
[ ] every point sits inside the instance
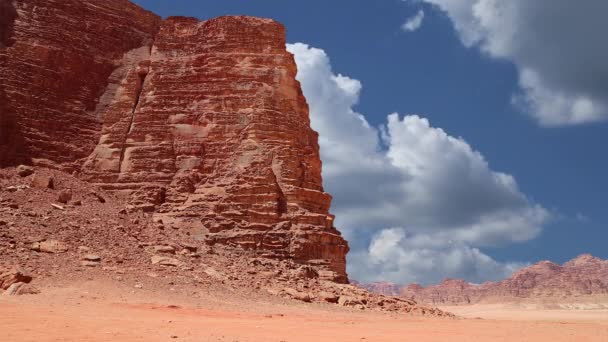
(200, 122)
(583, 278)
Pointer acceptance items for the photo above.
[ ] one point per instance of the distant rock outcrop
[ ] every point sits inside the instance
(583, 277)
(384, 288)
(201, 122)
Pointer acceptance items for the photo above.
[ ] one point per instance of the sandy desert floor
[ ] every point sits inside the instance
(87, 313)
(530, 312)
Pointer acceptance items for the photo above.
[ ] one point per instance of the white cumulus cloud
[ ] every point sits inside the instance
(415, 203)
(558, 47)
(412, 24)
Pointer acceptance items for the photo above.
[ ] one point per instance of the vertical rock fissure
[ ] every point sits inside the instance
(282, 200)
(140, 88)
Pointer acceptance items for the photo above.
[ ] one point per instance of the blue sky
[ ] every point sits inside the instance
(463, 79)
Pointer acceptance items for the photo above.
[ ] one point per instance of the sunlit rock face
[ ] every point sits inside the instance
(200, 122)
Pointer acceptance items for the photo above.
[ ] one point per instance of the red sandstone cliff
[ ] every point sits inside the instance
(581, 278)
(200, 122)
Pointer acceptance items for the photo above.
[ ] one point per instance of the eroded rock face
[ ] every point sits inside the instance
(201, 122)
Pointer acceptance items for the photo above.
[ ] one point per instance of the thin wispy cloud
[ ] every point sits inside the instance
(413, 23)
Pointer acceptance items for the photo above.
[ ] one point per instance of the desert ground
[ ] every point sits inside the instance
(106, 311)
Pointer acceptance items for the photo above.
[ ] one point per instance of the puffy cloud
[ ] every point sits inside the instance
(414, 202)
(413, 23)
(558, 47)
(395, 255)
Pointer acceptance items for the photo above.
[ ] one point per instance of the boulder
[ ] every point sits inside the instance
(189, 247)
(64, 196)
(19, 289)
(298, 295)
(24, 170)
(349, 301)
(328, 297)
(87, 263)
(43, 182)
(165, 261)
(306, 272)
(98, 197)
(92, 257)
(50, 246)
(164, 249)
(13, 276)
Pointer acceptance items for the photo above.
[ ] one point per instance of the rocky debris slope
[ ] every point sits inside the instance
(200, 122)
(582, 278)
(93, 236)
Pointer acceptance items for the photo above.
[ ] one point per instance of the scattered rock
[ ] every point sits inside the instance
(56, 206)
(64, 196)
(24, 170)
(50, 246)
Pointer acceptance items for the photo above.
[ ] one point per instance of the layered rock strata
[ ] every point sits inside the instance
(200, 122)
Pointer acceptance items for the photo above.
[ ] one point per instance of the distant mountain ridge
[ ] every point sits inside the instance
(583, 277)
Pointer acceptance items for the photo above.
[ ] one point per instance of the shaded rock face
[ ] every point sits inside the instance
(200, 122)
(8, 14)
(56, 58)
